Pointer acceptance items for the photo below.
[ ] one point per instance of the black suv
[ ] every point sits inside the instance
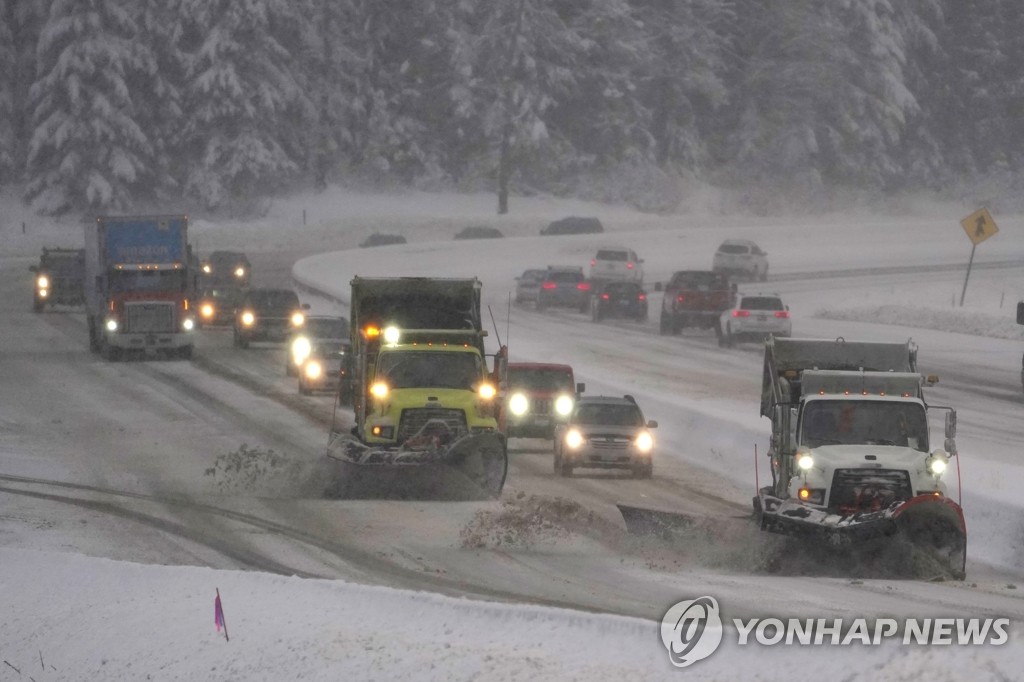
(564, 287)
(619, 299)
(268, 315)
(226, 269)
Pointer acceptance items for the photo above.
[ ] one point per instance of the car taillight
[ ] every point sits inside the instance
(583, 286)
(680, 298)
(782, 313)
(642, 297)
(605, 297)
(741, 313)
(550, 285)
(593, 262)
(629, 266)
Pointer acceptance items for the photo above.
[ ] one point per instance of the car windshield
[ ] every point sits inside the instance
(426, 369)
(533, 275)
(275, 299)
(565, 277)
(733, 248)
(608, 415)
(64, 264)
(612, 255)
(864, 422)
(546, 379)
(147, 280)
(330, 328)
(761, 303)
(699, 280)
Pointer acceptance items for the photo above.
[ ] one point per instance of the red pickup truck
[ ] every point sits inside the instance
(695, 298)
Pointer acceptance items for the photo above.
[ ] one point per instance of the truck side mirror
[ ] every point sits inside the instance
(1020, 312)
(580, 388)
(35, 268)
(950, 425)
(652, 424)
(305, 306)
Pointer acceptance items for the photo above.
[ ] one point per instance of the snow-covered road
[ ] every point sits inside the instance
(134, 461)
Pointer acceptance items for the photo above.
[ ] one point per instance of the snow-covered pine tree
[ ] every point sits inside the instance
(87, 150)
(241, 96)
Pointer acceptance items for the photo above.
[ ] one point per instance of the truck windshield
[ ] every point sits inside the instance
(147, 280)
(425, 369)
(864, 422)
(547, 379)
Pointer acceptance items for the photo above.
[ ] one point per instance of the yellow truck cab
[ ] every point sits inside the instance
(428, 377)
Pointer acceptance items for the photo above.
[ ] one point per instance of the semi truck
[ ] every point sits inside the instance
(425, 403)
(139, 286)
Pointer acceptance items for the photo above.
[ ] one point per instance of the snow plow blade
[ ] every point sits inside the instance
(664, 524)
(932, 523)
(471, 467)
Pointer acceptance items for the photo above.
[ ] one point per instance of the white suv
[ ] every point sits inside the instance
(617, 263)
(754, 317)
(741, 257)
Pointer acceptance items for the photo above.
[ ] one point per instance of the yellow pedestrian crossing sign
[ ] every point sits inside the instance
(979, 226)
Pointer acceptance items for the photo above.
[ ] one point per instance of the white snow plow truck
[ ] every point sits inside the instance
(850, 452)
(426, 406)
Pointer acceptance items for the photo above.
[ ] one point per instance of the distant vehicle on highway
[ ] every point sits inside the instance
(217, 306)
(754, 317)
(528, 285)
(318, 330)
(225, 269)
(59, 278)
(378, 239)
(573, 225)
(616, 263)
(626, 300)
(694, 298)
(268, 315)
(564, 287)
(741, 259)
(479, 232)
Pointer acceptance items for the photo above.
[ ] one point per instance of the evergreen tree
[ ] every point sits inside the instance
(87, 150)
(242, 100)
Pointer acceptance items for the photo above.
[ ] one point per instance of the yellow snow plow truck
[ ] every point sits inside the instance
(850, 454)
(425, 402)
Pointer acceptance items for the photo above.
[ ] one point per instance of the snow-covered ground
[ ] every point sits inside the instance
(68, 616)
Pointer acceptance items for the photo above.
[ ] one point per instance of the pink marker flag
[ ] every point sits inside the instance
(218, 616)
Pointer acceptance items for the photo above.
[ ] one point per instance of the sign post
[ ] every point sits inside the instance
(979, 226)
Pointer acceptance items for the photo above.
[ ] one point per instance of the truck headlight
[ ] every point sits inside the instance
(298, 319)
(239, 272)
(518, 404)
(313, 370)
(111, 325)
(206, 310)
(248, 319)
(43, 282)
(43, 293)
(563, 405)
(301, 349)
(392, 335)
(379, 390)
(486, 391)
(937, 464)
(207, 269)
(644, 442)
(188, 324)
(804, 461)
(573, 439)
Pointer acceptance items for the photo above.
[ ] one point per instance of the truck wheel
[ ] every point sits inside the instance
(643, 470)
(185, 353)
(722, 341)
(730, 340)
(303, 390)
(290, 370)
(663, 325)
(94, 342)
(111, 353)
(565, 470)
(37, 306)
